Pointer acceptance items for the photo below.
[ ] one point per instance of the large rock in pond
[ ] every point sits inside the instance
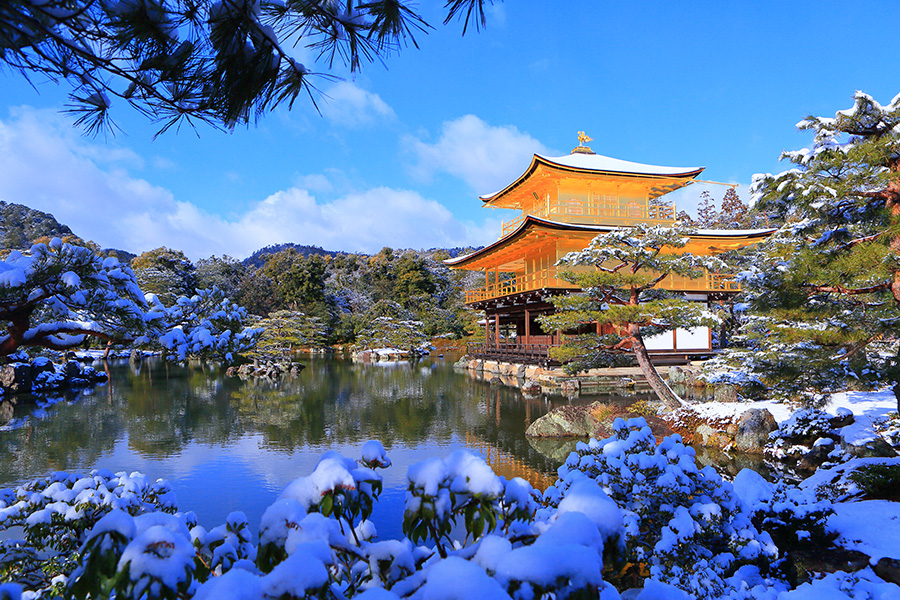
(753, 429)
(593, 420)
(16, 377)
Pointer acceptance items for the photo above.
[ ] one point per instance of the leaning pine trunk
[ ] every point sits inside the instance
(662, 389)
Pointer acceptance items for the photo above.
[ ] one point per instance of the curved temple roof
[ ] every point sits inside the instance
(531, 222)
(580, 162)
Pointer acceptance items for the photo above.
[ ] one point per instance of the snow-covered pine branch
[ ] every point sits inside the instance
(55, 295)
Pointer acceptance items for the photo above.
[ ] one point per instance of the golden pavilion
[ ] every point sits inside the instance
(563, 203)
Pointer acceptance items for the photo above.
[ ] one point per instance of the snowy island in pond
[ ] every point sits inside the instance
(627, 518)
(385, 356)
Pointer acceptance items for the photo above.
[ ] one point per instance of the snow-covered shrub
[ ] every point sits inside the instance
(625, 511)
(798, 434)
(682, 524)
(57, 512)
(388, 332)
(794, 517)
(878, 481)
(221, 547)
(206, 325)
(336, 488)
(462, 485)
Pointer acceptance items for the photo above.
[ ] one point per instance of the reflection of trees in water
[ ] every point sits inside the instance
(508, 414)
(167, 407)
(338, 401)
(72, 435)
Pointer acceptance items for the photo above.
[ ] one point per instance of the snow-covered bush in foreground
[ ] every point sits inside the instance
(681, 524)
(625, 514)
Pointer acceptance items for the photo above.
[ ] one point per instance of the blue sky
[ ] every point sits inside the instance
(402, 150)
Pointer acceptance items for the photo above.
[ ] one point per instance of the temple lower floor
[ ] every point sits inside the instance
(513, 332)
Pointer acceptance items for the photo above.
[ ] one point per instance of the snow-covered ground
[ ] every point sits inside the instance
(873, 405)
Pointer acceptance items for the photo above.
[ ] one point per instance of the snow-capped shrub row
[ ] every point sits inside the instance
(625, 513)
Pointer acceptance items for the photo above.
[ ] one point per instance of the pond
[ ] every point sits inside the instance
(227, 444)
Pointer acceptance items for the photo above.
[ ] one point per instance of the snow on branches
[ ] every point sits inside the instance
(56, 295)
(626, 513)
(618, 273)
(206, 325)
(824, 294)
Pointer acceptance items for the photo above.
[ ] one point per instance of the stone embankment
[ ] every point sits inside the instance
(533, 379)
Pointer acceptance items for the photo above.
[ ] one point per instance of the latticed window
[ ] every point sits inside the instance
(574, 207)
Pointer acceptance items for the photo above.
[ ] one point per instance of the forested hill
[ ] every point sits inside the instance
(258, 258)
(20, 226)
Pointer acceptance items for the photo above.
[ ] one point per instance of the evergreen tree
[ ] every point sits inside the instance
(223, 62)
(825, 291)
(165, 272)
(617, 274)
(57, 295)
(224, 273)
(206, 326)
(734, 213)
(706, 211)
(286, 331)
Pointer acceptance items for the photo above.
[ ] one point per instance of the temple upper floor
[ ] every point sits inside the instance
(591, 189)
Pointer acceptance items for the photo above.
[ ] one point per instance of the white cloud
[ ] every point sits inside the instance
(486, 157)
(348, 105)
(48, 167)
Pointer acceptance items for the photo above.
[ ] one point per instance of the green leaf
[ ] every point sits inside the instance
(327, 504)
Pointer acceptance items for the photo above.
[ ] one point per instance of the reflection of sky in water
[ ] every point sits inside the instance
(214, 481)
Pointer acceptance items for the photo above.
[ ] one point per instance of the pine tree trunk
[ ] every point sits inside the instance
(669, 398)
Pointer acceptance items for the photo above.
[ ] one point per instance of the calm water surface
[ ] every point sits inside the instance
(227, 444)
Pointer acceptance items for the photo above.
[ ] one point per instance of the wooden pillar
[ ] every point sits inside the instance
(487, 327)
(497, 330)
(527, 326)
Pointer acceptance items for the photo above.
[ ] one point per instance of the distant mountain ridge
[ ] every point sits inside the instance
(21, 225)
(258, 258)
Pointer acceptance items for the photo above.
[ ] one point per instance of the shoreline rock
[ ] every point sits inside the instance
(594, 420)
(266, 369)
(42, 375)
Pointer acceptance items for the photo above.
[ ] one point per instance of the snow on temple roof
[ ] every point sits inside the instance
(598, 162)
